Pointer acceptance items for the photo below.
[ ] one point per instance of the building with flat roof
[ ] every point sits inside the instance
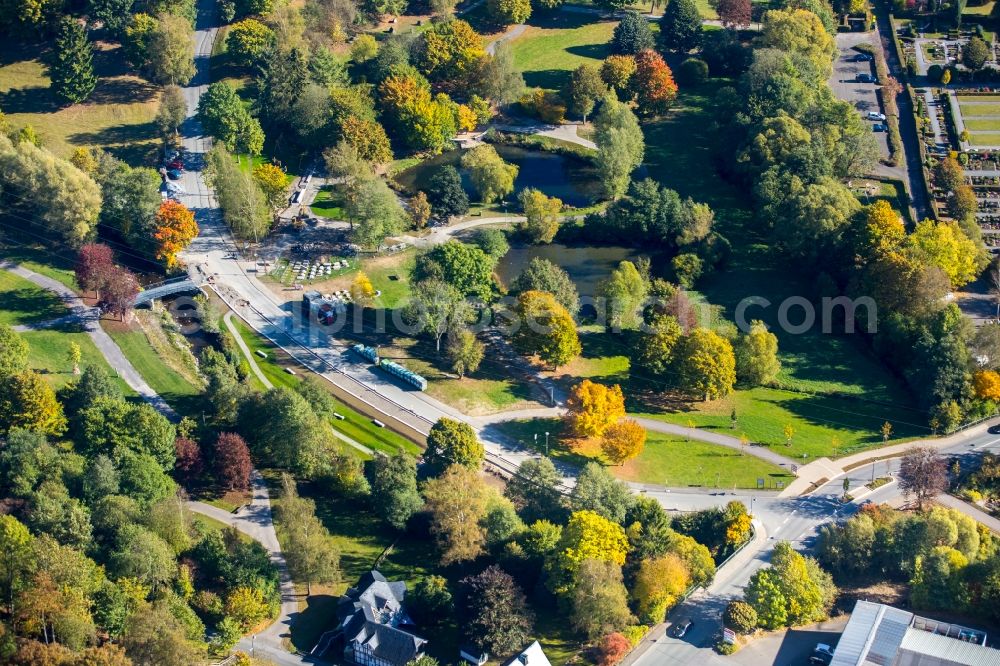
(880, 635)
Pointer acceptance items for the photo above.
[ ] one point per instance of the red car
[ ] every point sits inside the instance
(176, 164)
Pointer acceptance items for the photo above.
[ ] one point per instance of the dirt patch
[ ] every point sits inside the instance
(881, 592)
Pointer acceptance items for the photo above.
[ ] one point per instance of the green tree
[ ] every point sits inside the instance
(394, 493)
(497, 76)
(757, 361)
(800, 32)
(451, 442)
(465, 267)
(13, 352)
(596, 490)
(153, 636)
(655, 350)
(458, 501)
(584, 89)
(975, 53)
(72, 67)
(587, 536)
(620, 146)
(542, 275)
(542, 213)
(680, 26)
(436, 309)
(464, 351)
(16, 558)
(507, 12)
(598, 599)
(142, 555)
(624, 292)
(244, 206)
(448, 51)
(114, 427)
(226, 118)
(283, 430)
(492, 241)
(632, 34)
(534, 490)
(446, 193)
(430, 602)
(377, 211)
(247, 41)
(740, 617)
(313, 556)
(171, 50)
(766, 598)
(546, 329)
(706, 364)
(172, 110)
(687, 268)
(491, 176)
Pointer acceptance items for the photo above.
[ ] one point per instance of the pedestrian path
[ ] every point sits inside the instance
(89, 318)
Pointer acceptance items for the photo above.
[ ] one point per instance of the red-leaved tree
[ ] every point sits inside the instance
(189, 463)
(119, 292)
(733, 13)
(612, 649)
(232, 462)
(94, 265)
(653, 83)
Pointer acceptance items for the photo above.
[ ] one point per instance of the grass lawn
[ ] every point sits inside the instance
(354, 425)
(823, 425)
(979, 109)
(678, 155)
(669, 460)
(979, 10)
(163, 366)
(49, 355)
(53, 263)
(982, 124)
(328, 204)
(984, 139)
(23, 302)
(118, 116)
(557, 43)
(978, 98)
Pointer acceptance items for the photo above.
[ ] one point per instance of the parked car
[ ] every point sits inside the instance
(875, 115)
(823, 648)
(174, 174)
(865, 78)
(681, 628)
(862, 57)
(177, 164)
(879, 127)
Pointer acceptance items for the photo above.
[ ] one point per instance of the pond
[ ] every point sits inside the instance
(572, 180)
(587, 265)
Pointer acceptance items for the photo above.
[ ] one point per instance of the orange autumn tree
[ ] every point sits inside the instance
(592, 408)
(175, 229)
(623, 441)
(653, 83)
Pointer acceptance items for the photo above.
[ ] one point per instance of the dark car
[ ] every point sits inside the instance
(174, 174)
(682, 627)
(866, 78)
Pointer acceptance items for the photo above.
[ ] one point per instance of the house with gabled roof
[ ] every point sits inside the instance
(374, 627)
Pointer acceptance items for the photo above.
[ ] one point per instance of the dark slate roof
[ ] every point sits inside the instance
(371, 613)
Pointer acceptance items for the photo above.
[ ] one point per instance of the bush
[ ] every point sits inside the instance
(545, 106)
(724, 648)
(740, 617)
(635, 633)
(692, 72)
(971, 495)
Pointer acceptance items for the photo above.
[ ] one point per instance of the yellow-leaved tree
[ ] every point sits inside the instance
(623, 441)
(362, 290)
(945, 245)
(587, 536)
(546, 329)
(987, 385)
(659, 584)
(592, 408)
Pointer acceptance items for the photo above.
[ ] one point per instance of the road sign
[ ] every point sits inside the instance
(729, 636)
(760, 483)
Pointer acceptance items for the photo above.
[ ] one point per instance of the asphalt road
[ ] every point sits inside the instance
(843, 81)
(791, 519)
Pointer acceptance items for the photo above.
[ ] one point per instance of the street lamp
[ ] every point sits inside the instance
(546, 442)
(752, 500)
(536, 441)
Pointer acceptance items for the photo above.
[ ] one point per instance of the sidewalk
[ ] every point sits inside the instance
(89, 318)
(970, 510)
(824, 468)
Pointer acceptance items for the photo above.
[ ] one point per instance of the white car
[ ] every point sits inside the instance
(875, 115)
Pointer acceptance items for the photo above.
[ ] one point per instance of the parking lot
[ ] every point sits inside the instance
(791, 647)
(846, 86)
